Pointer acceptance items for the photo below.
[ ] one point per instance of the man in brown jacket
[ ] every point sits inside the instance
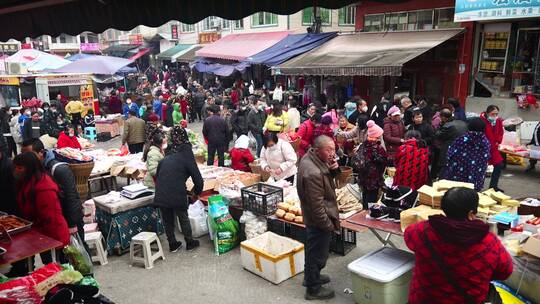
(134, 133)
(316, 189)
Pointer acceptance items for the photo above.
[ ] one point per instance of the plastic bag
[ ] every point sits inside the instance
(254, 226)
(124, 150)
(196, 209)
(252, 140)
(197, 219)
(224, 227)
(77, 255)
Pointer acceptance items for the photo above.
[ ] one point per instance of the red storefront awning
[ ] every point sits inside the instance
(240, 46)
(139, 54)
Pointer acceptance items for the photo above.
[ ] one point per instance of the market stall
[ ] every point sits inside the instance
(26, 245)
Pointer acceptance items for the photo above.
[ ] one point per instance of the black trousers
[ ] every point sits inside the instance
(168, 215)
(135, 148)
(198, 114)
(12, 146)
(317, 249)
(212, 149)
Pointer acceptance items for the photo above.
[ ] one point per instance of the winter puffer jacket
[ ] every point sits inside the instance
(393, 134)
(411, 162)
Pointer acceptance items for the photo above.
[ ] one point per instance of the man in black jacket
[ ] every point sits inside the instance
(215, 131)
(256, 120)
(449, 130)
(171, 193)
(361, 112)
(198, 103)
(240, 120)
(63, 176)
(380, 110)
(418, 124)
(34, 127)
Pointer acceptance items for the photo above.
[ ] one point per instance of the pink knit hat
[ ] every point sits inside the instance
(394, 111)
(374, 131)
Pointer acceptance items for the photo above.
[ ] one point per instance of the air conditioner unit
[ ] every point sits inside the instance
(16, 68)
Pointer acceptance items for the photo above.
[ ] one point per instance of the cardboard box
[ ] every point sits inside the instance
(117, 170)
(532, 246)
(209, 184)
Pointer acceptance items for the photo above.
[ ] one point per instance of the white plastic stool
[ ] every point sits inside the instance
(145, 240)
(94, 240)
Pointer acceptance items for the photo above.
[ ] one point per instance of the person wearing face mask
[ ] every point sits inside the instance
(278, 158)
(394, 132)
(256, 119)
(240, 120)
(305, 132)
(277, 120)
(152, 156)
(68, 139)
(316, 189)
(494, 132)
(75, 110)
(15, 129)
(34, 127)
(360, 112)
(310, 111)
(130, 106)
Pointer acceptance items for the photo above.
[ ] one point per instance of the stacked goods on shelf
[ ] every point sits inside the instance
(416, 214)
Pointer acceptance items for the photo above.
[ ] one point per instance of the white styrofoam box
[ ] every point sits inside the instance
(93, 227)
(89, 208)
(382, 276)
(273, 257)
(526, 130)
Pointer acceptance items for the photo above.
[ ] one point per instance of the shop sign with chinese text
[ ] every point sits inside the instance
(478, 10)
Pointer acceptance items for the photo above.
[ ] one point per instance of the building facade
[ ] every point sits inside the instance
(438, 74)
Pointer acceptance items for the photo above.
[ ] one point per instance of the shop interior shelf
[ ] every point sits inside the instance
(491, 71)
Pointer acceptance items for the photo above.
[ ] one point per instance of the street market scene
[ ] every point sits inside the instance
(327, 151)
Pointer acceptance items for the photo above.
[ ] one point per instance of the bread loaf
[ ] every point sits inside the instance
(299, 220)
(284, 206)
(290, 216)
(280, 213)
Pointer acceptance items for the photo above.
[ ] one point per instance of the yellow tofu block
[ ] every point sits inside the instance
(444, 185)
(499, 196)
(489, 191)
(510, 203)
(499, 208)
(486, 201)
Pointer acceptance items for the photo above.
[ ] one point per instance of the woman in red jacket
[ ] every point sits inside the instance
(305, 132)
(67, 139)
(456, 255)
(412, 162)
(494, 133)
(241, 157)
(37, 198)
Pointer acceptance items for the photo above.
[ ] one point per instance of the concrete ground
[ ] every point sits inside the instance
(202, 277)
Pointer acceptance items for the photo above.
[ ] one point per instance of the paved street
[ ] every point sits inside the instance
(202, 277)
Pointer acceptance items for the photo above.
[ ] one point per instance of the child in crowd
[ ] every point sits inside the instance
(241, 157)
(89, 120)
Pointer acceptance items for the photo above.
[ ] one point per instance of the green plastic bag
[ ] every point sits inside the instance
(224, 228)
(77, 256)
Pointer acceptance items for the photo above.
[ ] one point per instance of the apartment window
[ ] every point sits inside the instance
(65, 39)
(347, 15)
(444, 18)
(91, 38)
(420, 20)
(324, 13)
(373, 23)
(264, 19)
(225, 24)
(396, 21)
(210, 23)
(239, 24)
(187, 28)
(83, 39)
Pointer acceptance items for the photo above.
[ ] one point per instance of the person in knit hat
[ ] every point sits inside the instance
(370, 163)
(394, 132)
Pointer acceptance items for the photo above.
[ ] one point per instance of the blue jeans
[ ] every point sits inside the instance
(259, 140)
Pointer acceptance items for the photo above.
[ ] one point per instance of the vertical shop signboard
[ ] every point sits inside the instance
(478, 10)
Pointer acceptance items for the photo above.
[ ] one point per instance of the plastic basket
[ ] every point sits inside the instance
(343, 243)
(261, 199)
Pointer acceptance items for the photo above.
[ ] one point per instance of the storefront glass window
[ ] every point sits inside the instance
(264, 18)
(444, 18)
(396, 22)
(307, 16)
(425, 20)
(373, 23)
(9, 95)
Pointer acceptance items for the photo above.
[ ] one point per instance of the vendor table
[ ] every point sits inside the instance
(121, 220)
(111, 126)
(104, 178)
(358, 222)
(516, 154)
(26, 245)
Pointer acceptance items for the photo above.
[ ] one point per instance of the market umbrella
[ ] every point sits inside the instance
(105, 65)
